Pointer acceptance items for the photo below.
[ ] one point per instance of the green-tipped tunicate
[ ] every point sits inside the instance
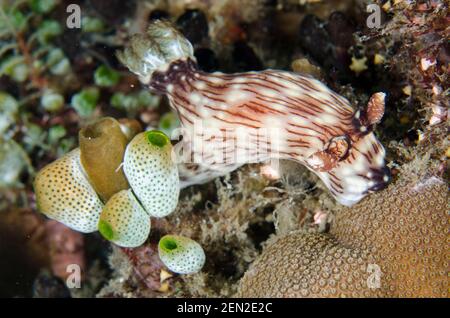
(52, 101)
(64, 193)
(180, 254)
(123, 221)
(151, 173)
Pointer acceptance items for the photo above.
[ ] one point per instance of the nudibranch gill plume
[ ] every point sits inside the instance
(279, 114)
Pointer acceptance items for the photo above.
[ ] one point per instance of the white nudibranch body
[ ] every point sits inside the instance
(180, 254)
(284, 115)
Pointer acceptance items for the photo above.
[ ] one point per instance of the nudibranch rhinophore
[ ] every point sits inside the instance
(232, 119)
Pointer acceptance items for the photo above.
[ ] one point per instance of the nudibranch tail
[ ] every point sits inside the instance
(232, 119)
(155, 50)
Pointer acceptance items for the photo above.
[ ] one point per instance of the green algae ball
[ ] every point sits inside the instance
(51, 101)
(105, 76)
(85, 101)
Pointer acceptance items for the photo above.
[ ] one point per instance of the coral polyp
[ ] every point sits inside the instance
(233, 119)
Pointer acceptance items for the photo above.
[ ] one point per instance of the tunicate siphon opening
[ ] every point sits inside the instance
(168, 244)
(157, 138)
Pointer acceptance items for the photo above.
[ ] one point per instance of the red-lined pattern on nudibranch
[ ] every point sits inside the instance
(232, 119)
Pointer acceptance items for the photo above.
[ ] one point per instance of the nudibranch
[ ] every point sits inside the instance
(232, 119)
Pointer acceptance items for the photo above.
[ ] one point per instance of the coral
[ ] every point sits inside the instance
(406, 229)
(308, 265)
(399, 234)
(181, 254)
